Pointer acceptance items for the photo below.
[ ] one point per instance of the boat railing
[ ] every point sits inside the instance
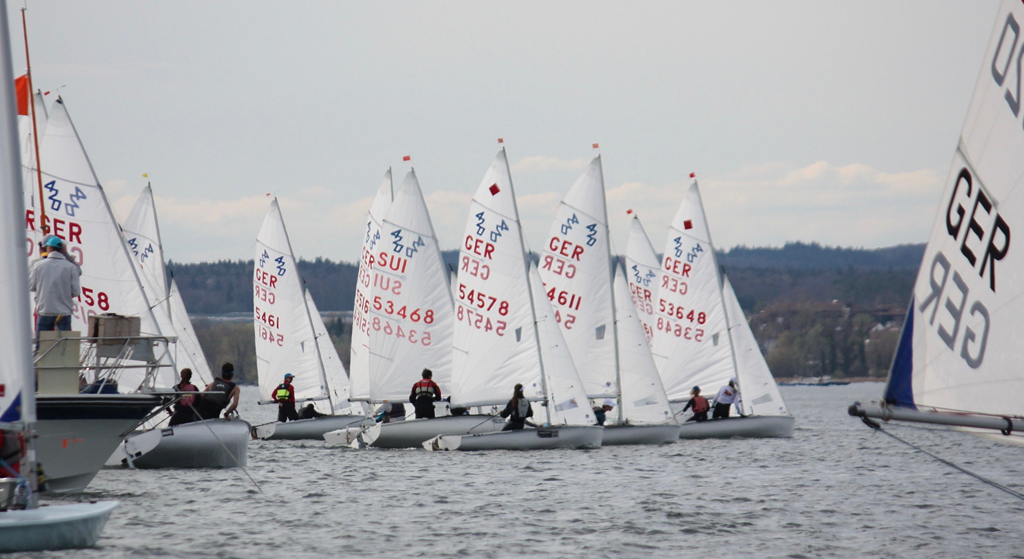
(103, 360)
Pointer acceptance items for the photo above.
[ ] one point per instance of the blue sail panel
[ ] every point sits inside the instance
(13, 413)
(899, 390)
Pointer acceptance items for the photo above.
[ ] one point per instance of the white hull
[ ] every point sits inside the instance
(615, 435)
(546, 438)
(306, 429)
(757, 426)
(54, 527)
(412, 432)
(215, 443)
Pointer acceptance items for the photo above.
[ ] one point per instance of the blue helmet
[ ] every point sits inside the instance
(54, 242)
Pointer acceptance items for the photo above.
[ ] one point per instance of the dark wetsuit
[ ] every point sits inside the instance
(184, 410)
(215, 399)
(284, 395)
(424, 394)
(698, 415)
(517, 412)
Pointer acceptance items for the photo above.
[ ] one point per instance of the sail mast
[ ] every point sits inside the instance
(615, 318)
(35, 132)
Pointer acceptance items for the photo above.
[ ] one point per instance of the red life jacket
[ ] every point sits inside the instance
(700, 404)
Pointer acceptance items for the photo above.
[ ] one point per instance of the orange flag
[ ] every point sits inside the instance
(21, 88)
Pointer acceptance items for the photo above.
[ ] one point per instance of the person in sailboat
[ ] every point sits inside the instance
(726, 397)
(184, 409)
(284, 395)
(219, 394)
(699, 405)
(601, 412)
(517, 411)
(54, 279)
(424, 393)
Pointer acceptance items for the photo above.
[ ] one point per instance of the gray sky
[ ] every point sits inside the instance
(811, 121)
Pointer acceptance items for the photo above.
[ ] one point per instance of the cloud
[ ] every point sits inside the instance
(543, 163)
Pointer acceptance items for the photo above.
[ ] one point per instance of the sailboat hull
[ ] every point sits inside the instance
(306, 429)
(757, 426)
(54, 527)
(412, 432)
(615, 435)
(214, 443)
(548, 438)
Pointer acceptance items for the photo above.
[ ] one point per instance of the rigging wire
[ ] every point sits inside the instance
(878, 428)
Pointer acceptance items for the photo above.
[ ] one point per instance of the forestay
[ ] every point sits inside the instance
(643, 396)
(409, 308)
(285, 342)
(961, 348)
(495, 343)
(691, 337)
(642, 271)
(359, 356)
(576, 269)
(759, 391)
(334, 369)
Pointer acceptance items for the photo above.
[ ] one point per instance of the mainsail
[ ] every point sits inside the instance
(334, 369)
(643, 270)
(409, 307)
(359, 364)
(189, 352)
(760, 393)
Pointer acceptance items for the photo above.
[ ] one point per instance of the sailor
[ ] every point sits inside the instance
(55, 280)
(601, 413)
(424, 393)
(517, 410)
(309, 412)
(699, 404)
(726, 397)
(184, 409)
(284, 395)
(219, 393)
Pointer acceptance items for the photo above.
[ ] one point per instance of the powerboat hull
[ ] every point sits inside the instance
(214, 443)
(615, 435)
(541, 438)
(412, 432)
(76, 433)
(306, 429)
(54, 527)
(752, 426)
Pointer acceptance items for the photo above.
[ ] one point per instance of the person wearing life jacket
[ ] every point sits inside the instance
(726, 397)
(517, 410)
(284, 395)
(424, 393)
(184, 409)
(220, 394)
(699, 404)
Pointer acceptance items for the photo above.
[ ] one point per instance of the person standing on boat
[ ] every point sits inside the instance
(424, 393)
(219, 394)
(284, 395)
(726, 397)
(54, 279)
(517, 410)
(184, 409)
(700, 406)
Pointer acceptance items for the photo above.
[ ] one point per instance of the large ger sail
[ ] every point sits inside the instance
(643, 395)
(760, 392)
(495, 342)
(334, 369)
(960, 349)
(359, 356)
(410, 314)
(576, 268)
(285, 341)
(691, 337)
(643, 270)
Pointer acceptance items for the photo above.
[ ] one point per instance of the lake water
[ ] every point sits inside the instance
(836, 489)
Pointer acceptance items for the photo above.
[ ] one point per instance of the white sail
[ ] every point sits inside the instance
(567, 402)
(643, 270)
(78, 212)
(960, 349)
(760, 393)
(576, 269)
(285, 341)
(334, 369)
(189, 353)
(142, 233)
(410, 304)
(495, 343)
(691, 328)
(643, 396)
(30, 177)
(359, 356)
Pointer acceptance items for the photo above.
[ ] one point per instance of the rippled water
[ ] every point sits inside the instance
(834, 490)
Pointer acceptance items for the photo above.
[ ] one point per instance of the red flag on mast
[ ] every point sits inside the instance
(21, 88)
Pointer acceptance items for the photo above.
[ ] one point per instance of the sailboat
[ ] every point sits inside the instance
(287, 340)
(212, 443)
(410, 319)
(958, 358)
(576, 267)
(696, 329)
(507, 333)
(32, 528)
